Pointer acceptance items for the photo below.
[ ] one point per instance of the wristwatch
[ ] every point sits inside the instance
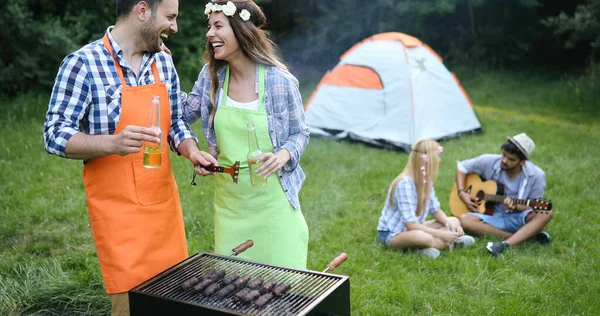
(462, 190)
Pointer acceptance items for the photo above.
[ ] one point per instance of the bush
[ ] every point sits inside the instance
(32, 60)
(49, 30)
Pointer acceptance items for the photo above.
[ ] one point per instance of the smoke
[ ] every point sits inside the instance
(322, 35)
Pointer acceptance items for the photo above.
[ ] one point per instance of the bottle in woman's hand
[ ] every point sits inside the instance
(253, 153)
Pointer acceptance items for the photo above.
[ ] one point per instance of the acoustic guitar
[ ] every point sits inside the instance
(488, 192)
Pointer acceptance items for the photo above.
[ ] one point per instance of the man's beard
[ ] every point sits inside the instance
(506, 168)
(149, 36)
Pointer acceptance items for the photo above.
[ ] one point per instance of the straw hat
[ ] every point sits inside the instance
(524, 143)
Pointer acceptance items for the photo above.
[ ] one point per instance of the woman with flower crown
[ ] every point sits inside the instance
(410, 199)
(244, 80)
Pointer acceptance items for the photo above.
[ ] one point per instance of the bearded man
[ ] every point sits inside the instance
(98, 113)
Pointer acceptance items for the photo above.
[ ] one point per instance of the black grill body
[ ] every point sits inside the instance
(311, 293)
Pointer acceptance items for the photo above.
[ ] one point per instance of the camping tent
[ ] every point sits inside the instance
(390, 90)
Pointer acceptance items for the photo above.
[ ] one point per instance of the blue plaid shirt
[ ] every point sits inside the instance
(285, 119)
(404, 210)
(87, 95)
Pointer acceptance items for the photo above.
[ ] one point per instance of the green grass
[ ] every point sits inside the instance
(48, 264)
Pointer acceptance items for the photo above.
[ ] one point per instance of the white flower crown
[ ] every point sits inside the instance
(228, 9)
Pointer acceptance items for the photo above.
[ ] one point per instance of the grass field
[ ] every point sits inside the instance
(48, 264)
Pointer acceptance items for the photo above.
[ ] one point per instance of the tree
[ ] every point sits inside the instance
(582, 27)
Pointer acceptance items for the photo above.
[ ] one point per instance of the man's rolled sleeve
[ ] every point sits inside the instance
(68, 103)
(180, 130)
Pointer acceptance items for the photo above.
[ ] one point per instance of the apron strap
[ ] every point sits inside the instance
(108, 47)
(225, 86)
(261, 86)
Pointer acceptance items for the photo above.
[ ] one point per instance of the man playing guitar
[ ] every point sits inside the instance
(521, 179)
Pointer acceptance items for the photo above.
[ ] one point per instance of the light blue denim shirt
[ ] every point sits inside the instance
(487, 166)
(285, 119)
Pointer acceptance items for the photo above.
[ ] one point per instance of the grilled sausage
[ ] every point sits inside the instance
(211, 289)
(226, 291)
(209, 274)
(281, 289)
(200, 286)
(268, 286)
(251, 296)
(263, 299)
(255, 284)
(213, 274)
(186, 285)
(230, 278)
(240, 295)
(220, 274)
(239, 283)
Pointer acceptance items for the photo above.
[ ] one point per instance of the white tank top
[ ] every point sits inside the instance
(252, 105)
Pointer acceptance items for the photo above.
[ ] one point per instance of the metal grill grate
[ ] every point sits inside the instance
(307, 289)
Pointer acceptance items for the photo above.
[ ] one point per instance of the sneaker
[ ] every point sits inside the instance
(429, 252)
(542, 237)
(496, 248)
(465, 240)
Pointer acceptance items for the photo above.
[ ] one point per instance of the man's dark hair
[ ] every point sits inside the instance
(124, 6)
(513, 149)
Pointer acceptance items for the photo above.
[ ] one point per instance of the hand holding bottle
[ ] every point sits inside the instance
(271, 163)
(254, 153)
(131, 139)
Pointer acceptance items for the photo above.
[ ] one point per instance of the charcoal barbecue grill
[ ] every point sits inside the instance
(311, 293)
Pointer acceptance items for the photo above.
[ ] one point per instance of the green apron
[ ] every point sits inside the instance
(244, 212)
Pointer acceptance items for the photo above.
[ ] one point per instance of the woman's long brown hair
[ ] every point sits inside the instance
(254, 41)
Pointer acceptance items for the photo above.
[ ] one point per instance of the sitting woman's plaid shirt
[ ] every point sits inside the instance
(404, 210)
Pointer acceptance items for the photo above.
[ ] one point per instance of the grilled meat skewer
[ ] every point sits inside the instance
(263, 299)
(200, 286)
(255, 284)
(251, 296)
(186, 285)
(268, 286)
(281, 289)
(239, 283)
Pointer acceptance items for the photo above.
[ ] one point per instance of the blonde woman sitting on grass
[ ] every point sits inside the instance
(410, 199)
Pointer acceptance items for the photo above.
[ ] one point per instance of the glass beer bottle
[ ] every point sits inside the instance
(253, 153)
(152, 151)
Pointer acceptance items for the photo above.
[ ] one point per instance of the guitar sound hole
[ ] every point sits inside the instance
(480, 195)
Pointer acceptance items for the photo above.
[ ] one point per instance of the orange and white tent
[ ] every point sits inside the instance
(390, 90)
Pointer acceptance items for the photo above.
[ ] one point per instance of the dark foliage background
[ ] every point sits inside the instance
(552, 34)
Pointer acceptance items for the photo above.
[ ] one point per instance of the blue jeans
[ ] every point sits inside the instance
(382, 237)
(510, 222)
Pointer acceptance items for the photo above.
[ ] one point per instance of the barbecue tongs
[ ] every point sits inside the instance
(234, 171)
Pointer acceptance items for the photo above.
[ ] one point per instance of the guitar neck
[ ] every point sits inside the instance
(500, 198)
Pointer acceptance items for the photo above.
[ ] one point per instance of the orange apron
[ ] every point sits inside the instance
(135, 213)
